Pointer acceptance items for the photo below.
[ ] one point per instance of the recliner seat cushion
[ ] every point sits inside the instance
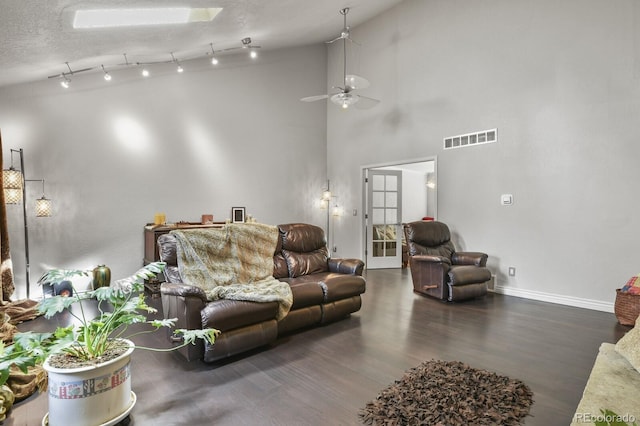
(306, 291)
(462, 275)
(340, 286)
(227, 314)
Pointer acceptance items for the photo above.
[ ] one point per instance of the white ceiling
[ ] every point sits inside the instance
(37, 36)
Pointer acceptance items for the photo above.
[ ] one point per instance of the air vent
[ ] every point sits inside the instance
(470, 139)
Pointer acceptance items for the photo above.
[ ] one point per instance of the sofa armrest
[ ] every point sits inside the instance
(429, 258)
(346, 266)
(185, 303)
(183, 290)
(469, 258)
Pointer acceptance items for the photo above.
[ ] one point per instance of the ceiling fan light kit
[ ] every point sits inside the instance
(345, 97)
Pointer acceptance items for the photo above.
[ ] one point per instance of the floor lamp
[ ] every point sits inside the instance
(15, 192)
(332, 211)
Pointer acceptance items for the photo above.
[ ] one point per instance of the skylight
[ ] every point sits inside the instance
(103, 18)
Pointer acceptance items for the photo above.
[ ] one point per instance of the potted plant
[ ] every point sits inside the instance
(88, 363)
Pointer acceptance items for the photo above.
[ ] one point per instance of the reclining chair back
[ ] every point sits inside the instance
(432, 238)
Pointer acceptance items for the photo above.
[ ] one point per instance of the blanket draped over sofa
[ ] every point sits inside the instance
(233, 262)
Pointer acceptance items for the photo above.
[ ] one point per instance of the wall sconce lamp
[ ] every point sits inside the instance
(13, 182)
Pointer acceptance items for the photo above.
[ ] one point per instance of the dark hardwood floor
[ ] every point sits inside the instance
(323, 376)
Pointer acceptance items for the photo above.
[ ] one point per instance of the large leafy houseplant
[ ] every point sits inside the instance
(119, 307)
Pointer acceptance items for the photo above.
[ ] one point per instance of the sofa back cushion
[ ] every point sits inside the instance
(280, 269)
(304, 249)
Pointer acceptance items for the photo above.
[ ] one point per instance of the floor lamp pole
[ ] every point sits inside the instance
(26, 226)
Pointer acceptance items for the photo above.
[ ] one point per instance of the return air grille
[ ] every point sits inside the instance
(470, 139)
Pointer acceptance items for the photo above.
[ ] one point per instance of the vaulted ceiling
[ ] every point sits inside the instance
(38, 36)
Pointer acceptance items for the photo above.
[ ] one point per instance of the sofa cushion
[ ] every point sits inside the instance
(301, 237)
(306, 263)
(280, 268)
(227, 314)
(339, 286)
(629, 346)
(306, 291)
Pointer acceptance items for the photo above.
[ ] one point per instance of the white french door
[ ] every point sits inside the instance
(384, 213)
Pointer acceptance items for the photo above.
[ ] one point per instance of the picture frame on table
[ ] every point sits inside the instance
(238, 214)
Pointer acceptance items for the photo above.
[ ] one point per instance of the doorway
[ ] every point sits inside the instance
(394, 194)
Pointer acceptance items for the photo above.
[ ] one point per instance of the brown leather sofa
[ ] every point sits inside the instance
(437, 269)
(324, 290)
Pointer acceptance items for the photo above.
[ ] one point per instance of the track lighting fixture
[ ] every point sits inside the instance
(214, 60)
(212, 55)
(107, 76)
(173, 59)
(246, 44)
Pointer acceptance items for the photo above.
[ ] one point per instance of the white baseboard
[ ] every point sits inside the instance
(577, 302)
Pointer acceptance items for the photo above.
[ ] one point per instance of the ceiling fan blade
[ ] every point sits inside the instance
(365, 102)
(356, 82)
(314, 98)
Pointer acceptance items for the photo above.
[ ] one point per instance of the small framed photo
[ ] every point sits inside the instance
(237, 214)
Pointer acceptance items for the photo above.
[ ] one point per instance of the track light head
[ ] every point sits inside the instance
(107, 76)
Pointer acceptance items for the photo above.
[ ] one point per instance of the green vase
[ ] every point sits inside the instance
(101, 276)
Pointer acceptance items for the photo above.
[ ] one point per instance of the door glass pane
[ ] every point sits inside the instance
(378, 183)
(392, 216)
(391, 183)
(378, 249)
(378, 216)
(390, 248)
(390, 233)
(391, 199)
(377, 199)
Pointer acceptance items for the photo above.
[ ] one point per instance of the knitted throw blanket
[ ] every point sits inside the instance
(233, 262)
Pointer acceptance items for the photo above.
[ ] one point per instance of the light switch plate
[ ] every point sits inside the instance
(506, 199)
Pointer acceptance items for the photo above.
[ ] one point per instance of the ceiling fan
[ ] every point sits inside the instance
(345, 96)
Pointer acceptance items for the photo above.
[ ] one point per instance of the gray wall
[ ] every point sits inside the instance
(560, 81)
(113, 154)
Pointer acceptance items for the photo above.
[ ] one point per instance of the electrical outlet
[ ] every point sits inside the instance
(512, 271)
(335, 249)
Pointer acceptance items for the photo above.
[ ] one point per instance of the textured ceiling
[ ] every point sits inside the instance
(38, 37)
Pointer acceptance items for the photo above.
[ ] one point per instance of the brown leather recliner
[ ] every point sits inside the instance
(439, 271)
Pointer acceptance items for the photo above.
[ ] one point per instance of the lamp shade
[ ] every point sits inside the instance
(44, 207)
(11, 179)
(12, 196)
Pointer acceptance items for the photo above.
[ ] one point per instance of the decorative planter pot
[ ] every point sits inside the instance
(90, 396)
(101, 276)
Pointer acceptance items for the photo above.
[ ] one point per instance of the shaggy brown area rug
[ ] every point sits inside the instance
(450, 393)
